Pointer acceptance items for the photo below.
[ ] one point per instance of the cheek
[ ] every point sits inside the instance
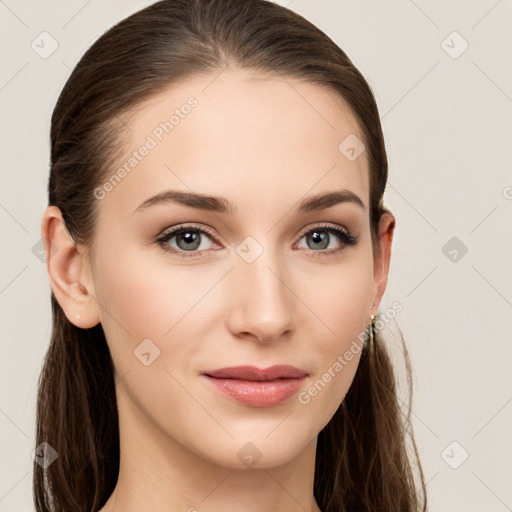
(157, 301)
(341, 300)
(342, 305)
(147, 299)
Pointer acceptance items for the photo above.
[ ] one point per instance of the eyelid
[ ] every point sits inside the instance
(210, 231)
(200, 227)
(323, 225)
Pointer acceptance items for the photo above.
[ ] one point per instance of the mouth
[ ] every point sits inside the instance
(257, 387)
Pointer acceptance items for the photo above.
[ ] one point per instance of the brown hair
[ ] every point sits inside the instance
(362, 458)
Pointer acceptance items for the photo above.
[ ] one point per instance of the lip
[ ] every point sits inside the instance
(257, 387)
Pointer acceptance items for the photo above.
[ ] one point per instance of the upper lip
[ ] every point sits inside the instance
(281, 371)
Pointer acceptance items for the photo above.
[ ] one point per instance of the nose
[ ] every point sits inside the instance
(261, 300)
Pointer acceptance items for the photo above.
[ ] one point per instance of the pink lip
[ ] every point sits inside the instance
(257, 387)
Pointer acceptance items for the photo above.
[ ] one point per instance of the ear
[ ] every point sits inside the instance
(69, 271)
(383, 257)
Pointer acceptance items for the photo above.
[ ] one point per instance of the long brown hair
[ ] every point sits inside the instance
(363, 461)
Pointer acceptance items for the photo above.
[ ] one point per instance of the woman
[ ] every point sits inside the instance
(218, 249)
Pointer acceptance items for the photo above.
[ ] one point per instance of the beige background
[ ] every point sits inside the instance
(447, 122)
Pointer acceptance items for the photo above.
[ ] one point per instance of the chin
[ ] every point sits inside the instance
(257, 451)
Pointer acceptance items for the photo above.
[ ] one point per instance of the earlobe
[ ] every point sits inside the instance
(383, 258)
(65, 264)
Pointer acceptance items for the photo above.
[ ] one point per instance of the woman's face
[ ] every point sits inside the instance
(248, 284)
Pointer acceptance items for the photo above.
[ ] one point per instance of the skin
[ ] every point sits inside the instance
(258, 142)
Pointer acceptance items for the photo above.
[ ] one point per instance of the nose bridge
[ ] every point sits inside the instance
(262, 302)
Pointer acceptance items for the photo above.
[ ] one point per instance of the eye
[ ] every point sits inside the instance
(320, 238)
(189, 240)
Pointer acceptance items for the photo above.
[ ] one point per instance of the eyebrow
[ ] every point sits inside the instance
(222, 205)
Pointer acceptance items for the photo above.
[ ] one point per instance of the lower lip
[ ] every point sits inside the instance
(257, 393)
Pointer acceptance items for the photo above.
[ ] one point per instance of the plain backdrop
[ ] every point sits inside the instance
(441, 73)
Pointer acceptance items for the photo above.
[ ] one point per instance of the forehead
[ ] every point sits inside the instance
(248, 137)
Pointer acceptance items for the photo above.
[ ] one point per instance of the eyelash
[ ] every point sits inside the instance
(346, 238)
